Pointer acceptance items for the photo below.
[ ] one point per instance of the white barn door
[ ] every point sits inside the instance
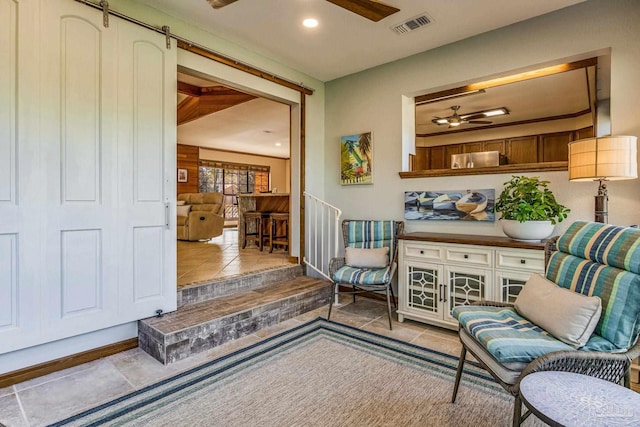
(87, 172)
(147, 88)
(78, 84)
(19, 198)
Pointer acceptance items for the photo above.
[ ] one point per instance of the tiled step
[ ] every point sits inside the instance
(199, 327)
(192, 294)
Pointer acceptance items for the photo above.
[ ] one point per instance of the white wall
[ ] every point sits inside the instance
(279, 173)
(372, 100)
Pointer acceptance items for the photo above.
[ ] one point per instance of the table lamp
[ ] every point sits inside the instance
(607, 158)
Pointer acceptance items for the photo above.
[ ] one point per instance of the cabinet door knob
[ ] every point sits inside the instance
(466, 256)
(421, 252)
(523, 261)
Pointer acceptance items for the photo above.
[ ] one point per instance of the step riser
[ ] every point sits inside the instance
(186, 343)
(205, 292)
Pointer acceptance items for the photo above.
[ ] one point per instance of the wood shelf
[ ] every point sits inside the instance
(508, 169)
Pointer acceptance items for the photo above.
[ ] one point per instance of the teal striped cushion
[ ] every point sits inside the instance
(602, 243)
(371, 234)
(618, 289)
(508, 336)
(362, 276)
(511, 338)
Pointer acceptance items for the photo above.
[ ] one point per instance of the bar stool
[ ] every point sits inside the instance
(258, 219)
(279, 220)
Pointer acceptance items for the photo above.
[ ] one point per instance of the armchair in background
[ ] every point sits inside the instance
(371, 251)
(200, 216)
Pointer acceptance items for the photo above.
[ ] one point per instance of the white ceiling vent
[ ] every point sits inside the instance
(412, 24)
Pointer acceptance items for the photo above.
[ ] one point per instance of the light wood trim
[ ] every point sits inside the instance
(242, 67)
(517, 168)
(31, 372)
(555, 69)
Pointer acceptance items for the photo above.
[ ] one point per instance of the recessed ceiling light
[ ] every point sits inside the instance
(310, 23)
(278, 144)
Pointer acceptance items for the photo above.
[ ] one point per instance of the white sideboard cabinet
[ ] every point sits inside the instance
(438, 272)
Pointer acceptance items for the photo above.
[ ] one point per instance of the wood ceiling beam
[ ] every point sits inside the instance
(216, 98)
(187, 89)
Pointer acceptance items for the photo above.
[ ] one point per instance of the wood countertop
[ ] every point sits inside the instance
(499, 241)
(264, 195)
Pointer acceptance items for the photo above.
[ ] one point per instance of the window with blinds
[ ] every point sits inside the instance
(232, 179)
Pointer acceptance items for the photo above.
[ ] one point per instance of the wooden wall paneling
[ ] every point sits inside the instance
(496, 145)
(584, 133)
(448, 151)
(421, 160)
(436, 157)
(473, 147)
(522, 150)
(555, 146)
(188, 158)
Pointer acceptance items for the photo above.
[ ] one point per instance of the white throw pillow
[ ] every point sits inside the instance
(367, 258)
(181, 202)
(183, 210)
(569, 316)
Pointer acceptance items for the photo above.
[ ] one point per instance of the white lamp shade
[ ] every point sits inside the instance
(610, 157)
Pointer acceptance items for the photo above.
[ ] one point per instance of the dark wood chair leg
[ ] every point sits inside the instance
(463, 355)
(354, 294)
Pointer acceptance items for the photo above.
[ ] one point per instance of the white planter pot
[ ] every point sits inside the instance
(528, 231)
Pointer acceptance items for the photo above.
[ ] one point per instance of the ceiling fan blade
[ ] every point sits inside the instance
(473, 116)
(478, 122)
(217, 4)
(371, 9)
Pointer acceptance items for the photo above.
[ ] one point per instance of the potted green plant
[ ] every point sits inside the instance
(529, 209)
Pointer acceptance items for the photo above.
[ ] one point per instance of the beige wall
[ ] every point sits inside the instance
(373, 100)
(279, 167)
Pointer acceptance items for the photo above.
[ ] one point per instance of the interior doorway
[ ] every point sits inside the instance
(232, 143)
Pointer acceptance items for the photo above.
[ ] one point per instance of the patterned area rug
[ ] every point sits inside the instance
(318, 374)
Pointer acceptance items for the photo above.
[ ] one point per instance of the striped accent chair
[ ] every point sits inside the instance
(367, 234)
(592, 259)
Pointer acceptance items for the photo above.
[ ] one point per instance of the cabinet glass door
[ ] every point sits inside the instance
(423, 292)
(465, 286)
(510, 284)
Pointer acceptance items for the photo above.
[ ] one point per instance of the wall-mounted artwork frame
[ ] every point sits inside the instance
(183, 175)
(450, 205)
(356, 159)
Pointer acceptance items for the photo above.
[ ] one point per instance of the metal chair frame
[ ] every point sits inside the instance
(336, 263)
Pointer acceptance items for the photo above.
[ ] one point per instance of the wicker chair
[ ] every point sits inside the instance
(367, 234)
(608, 254)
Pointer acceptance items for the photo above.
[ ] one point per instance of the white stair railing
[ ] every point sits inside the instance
(322, 228)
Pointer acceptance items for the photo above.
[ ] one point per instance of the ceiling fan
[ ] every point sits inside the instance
(371, 9)
(456, 119)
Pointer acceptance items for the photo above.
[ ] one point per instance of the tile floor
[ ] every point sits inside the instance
(53, 397)
(222, 257)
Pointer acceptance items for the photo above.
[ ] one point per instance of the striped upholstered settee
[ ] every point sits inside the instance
(592, 259)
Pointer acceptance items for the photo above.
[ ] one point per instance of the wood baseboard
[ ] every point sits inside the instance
(31, 372)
